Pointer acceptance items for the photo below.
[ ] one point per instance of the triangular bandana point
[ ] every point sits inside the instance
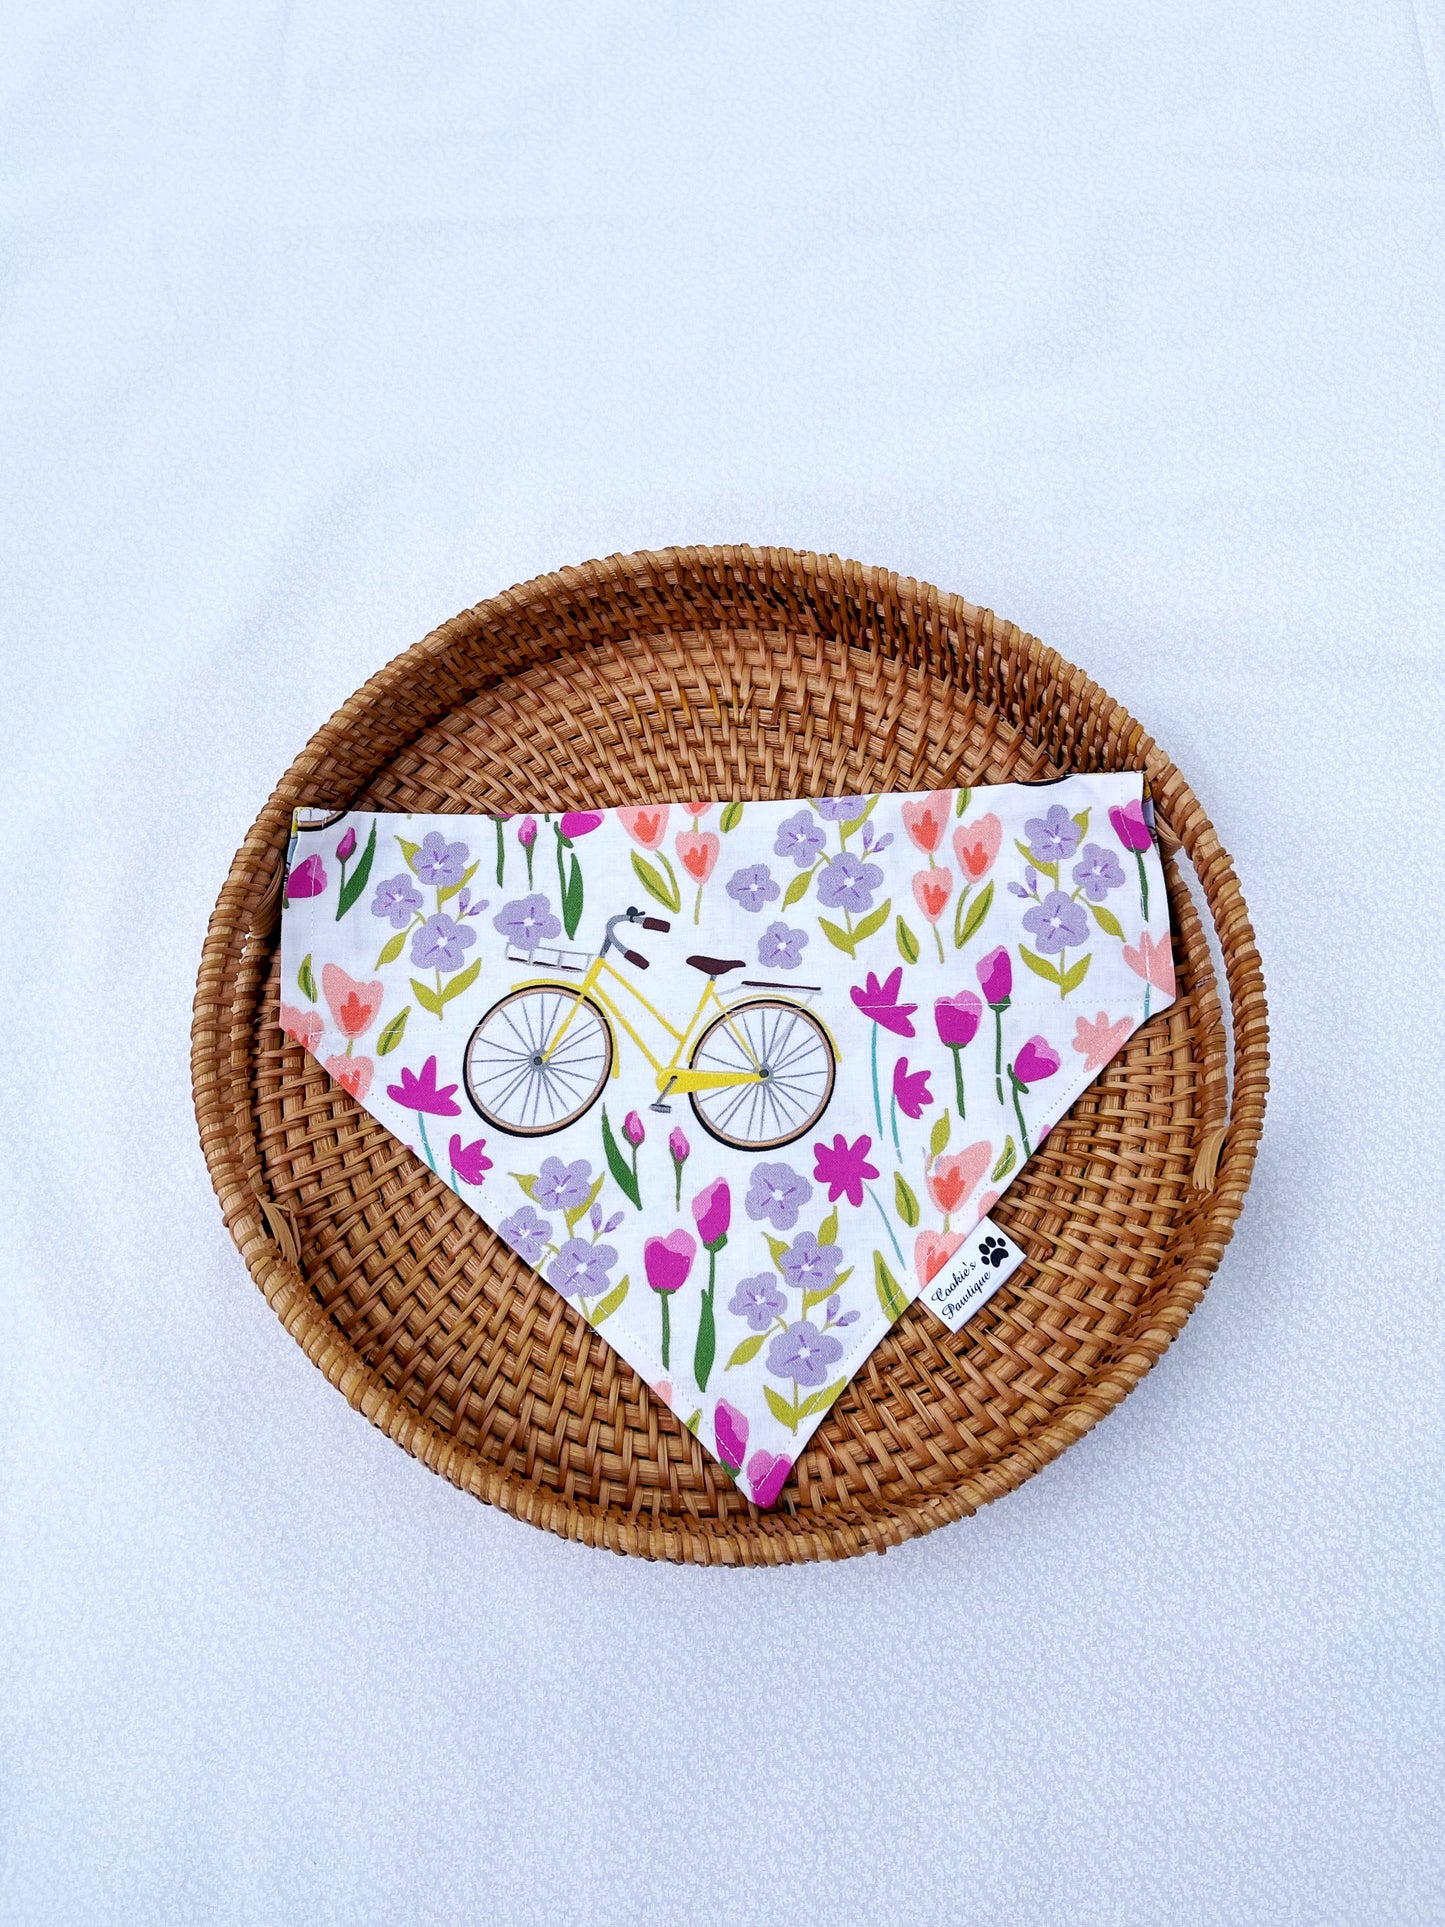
(738, 1079)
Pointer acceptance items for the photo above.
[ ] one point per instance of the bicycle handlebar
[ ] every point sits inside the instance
(633, 957)
(656, 923)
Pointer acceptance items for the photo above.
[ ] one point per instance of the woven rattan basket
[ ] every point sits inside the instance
(725, 673)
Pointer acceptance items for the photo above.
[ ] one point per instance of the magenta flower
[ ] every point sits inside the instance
(527, 832)
(346, 848)
(1130, 827)
(678, 1145)
(308, 879)
(879, 1003)
(467, 1160)
(577, 823)
(1036, 1060)
(418, 1092)
(730, 1429)
(632, 1129)
(767, 1476)
(668, 1260)
(712, 1209)
(996, 978)
(910, 1090)
(958, 1018)
(843, 1167)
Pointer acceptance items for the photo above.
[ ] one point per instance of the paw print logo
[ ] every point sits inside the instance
(993, 1251)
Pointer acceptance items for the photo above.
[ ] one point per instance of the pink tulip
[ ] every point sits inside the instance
(1130, 827)
(354, 1006)
(667, 1261)
(303, 1027)
(352, 1074)
(976, 845)
(527, 832)
(1037, 1060)
(577, 823)
(730, 1429)
(698, 852)
(346, 848)
(996, 977)
(925, 820)
(678, 1145)
(632, 1129)
(767, 1475)
(712, 1209)
(646, 825)
(308, 879)
(958, 1018)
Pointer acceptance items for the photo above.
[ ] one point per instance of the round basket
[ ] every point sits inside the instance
(729, 672)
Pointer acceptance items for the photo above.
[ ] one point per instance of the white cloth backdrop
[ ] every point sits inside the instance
(318, 323)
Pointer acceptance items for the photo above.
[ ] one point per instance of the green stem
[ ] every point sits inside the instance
(939, 941)
(1018, 1113)
(677, 1188)
(529, 866)
(998, 1050)
(958, 1081)
(886, 1225)
(501, 854)
(697, 905)
(706, 1348)
(1063, 955)
(666, 1300)
(1143, 886)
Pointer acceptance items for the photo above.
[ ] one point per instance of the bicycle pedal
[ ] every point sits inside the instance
(666, 1109)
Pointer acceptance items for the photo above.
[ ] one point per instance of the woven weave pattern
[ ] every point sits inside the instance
(749, 674)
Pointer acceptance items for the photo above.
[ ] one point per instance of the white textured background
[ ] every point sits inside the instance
(318, 323)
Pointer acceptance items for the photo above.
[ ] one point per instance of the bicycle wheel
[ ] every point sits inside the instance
(792, 1050)
(510, 1080)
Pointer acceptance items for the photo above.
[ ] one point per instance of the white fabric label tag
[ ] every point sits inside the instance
(985, 1259)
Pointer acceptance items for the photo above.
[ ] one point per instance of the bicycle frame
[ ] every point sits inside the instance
(673, 1075)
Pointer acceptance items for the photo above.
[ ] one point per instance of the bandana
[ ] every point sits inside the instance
(738, 1079)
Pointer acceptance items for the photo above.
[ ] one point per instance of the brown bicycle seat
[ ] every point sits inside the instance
(716, 966)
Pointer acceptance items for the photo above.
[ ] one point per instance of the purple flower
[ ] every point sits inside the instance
(1097, 872)
(910, 1090)
(346, 848)
(848, 884)
(1052, 837)
(777, 1192)
(1057, 922)
(1130, 827)
(803, 1353)
(780, 948)
(800, 838)
(308, 879)
(843, 1167)
(526, 1233)
(841, 809)
(527, 921)
(753, 887)
(396, 899)
(419, 1092)
(730, 1429)
(563, 1187)
(808, 1266)
(758, 1300)
(441, 943)
(581, 1268)
(438, 862)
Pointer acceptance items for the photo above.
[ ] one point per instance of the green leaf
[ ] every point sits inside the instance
(904, 1200)
(409, 851)
(1048, 971)
(960, 802)
(778, 1249)
(1075, 974)
(618, 1165)
(463, 980)
(874, 921)
(907, 942)
(610, 1303)
(655, 884)
(528, 1182)
(353, 886)
(391, 949)
(731, 817)
(455, 889)
(820, 1401)
(811, 1298)
(305, 982)
(785, 1412)
(1106, 920)
(797, 889)
(836, 936)
(890, 1292)
(427, 997)
(1007, 1160)
(1082, 819)
(828, 1229)
(938, 1137)
(749, 1348)
(392, 1033)
(1049, 870)
(580, 1211)
(965, 928)
(572, 899)
(695, 1422)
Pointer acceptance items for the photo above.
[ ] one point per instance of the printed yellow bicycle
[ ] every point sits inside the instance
(759, 1071)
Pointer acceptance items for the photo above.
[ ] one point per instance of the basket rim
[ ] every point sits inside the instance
(219, 1056)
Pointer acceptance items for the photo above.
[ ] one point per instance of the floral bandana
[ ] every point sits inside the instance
(738, 1080)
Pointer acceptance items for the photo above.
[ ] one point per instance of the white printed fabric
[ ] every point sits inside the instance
(738, 1079)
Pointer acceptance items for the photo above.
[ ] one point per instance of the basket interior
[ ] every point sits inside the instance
(724, 674)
